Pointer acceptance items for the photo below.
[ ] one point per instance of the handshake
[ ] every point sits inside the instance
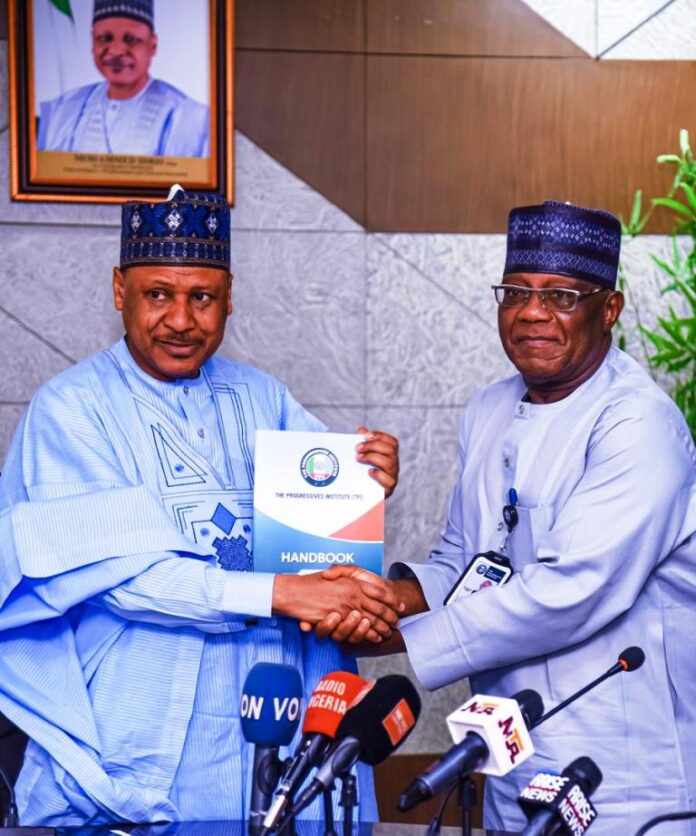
(349, 604)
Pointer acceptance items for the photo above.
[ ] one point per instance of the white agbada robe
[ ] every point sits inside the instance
(159, 121)
(124, 645)
(604, 557)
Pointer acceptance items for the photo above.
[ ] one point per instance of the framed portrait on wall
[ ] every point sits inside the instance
(116, 99)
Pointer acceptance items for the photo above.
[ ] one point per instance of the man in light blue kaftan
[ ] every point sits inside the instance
(129, 618)
(604, 552)
(129, 112)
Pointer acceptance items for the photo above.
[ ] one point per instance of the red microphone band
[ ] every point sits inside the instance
(329, 702)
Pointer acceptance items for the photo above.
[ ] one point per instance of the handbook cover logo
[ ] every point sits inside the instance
(315, 506)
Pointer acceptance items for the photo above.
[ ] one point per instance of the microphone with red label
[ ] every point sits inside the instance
(491, 736)
(378, 722)
(325, 710)
(559, 804)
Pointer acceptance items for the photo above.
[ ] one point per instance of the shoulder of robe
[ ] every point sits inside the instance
(230, 371)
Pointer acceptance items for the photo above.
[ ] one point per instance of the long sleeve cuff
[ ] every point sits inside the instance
(430, 640)
(250, 593)
(435, 581)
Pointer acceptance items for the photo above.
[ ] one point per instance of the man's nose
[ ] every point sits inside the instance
(534, 308)
(179, 316)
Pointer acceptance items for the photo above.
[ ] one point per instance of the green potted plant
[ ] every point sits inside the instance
(670, 348)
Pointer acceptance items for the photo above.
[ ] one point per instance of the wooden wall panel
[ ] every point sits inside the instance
(329, 25)
(396, 773)
(452, 143)
(462, 27)
(308, 111)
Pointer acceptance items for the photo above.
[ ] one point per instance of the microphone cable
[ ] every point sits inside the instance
(436, 821)
(11, 817)
(681, 816)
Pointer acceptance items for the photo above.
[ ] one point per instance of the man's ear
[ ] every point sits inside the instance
(230, 306)
(613, 308)
(118, 284)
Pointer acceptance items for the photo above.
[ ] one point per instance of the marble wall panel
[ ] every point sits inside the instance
(269, 196)
(300, 312)
(26, 360)
(57, 280)
(37, 212)
(340, 419)
(576, 20)
(9, 417)
(645, 299)
(465, 266)
(425, 346)
(428, 448)
(616, 19)
(668, 36)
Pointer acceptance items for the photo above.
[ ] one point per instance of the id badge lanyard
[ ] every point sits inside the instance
(510, 519)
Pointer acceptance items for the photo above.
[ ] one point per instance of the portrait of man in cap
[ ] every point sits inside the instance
(129, 111)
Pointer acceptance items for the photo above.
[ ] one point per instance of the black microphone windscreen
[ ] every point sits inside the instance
(383, 718)
(584, 771)
(531, 706)
(631, 658)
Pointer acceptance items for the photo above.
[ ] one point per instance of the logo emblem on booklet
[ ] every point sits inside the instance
(319, 467)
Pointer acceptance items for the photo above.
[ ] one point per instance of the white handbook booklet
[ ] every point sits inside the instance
(315, 505)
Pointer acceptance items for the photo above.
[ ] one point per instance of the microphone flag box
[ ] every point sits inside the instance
(499, 721)
(315, 505)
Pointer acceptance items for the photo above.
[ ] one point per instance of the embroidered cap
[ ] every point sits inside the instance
(188, 228)
(564, 240)
(141, 10)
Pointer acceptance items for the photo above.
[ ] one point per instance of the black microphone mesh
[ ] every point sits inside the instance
(383, 718)
(531, 706)
(585, 772)
(632, 658)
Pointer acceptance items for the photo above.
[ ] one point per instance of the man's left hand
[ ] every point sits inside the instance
(381, 450)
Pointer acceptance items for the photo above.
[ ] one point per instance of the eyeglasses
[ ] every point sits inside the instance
(552, 298)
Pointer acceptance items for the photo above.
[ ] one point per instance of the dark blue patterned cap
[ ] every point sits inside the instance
(564, 240)
(141, 10)
(188, 228)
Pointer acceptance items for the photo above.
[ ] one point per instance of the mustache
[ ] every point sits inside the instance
(116, 63)
(178, 339)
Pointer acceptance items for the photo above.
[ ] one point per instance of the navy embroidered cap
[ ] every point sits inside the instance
(188, 228)
(564, 240)
(141, 10)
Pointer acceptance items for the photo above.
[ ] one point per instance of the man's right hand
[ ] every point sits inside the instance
(368, 602)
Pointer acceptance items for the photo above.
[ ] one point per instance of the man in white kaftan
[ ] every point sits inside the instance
(604, 553)
(129, 112)
(129, 617)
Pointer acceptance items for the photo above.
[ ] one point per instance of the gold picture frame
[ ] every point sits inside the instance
(78, 145)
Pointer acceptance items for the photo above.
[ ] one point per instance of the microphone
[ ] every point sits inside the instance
(556, 804)
(10, 818)
(629, 660)
(325, 710)
(491, 736)
(375, 725)
(270, 713)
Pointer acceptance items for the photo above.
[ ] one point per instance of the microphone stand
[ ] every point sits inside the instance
(329, 823)
(466, 799)
(349, 800)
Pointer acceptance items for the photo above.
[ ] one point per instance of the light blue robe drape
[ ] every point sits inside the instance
(159, 121)
(124, 644)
